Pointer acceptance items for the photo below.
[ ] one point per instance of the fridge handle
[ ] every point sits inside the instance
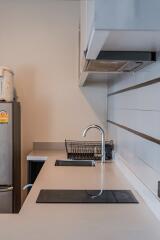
(6, 189)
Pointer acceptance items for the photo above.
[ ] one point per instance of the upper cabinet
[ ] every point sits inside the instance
(117, 36)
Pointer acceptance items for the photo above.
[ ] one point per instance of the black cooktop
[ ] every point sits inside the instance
(85, 196)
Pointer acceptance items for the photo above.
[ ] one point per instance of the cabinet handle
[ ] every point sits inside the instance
(27, 186)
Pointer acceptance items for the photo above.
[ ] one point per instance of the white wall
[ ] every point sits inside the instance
(138, 109)
(39, 41)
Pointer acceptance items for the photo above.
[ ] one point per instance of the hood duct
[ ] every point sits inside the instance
(119, 61)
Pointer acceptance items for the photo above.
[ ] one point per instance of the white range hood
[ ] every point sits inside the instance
(125, 26)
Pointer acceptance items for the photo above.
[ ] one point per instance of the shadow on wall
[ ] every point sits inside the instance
(36, 106)
(96, 95)
(33, 104)
(24, 84)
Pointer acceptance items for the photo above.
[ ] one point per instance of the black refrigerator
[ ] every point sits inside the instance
(10, 157)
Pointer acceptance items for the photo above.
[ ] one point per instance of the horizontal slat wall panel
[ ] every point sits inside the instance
(138, 110)
(130, 79)
(147, 122)
(141, 156)
(146, 98)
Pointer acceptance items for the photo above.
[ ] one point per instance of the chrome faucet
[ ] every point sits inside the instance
(103, 152)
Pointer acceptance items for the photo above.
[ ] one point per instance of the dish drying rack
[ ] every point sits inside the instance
(87, 150)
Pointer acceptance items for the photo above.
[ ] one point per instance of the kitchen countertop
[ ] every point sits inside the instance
(79, 221)
(36, 158)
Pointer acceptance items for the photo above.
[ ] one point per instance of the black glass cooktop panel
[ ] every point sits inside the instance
(85, 196)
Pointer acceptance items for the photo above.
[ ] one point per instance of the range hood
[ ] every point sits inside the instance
(119, 61)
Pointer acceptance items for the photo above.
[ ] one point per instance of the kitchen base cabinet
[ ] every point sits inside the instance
(34, 168)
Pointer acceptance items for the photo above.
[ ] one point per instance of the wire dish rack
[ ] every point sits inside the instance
(87, 150)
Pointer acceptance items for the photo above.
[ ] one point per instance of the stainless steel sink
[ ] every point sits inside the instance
(76, 163)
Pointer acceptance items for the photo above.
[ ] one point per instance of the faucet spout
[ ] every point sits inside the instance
(102, 139)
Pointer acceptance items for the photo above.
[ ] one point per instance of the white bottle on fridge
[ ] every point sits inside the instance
(6, 84)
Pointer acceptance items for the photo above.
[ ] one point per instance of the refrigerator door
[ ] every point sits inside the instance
(6, 195)
(6, 146)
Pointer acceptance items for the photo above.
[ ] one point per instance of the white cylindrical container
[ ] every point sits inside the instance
(6, 84)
